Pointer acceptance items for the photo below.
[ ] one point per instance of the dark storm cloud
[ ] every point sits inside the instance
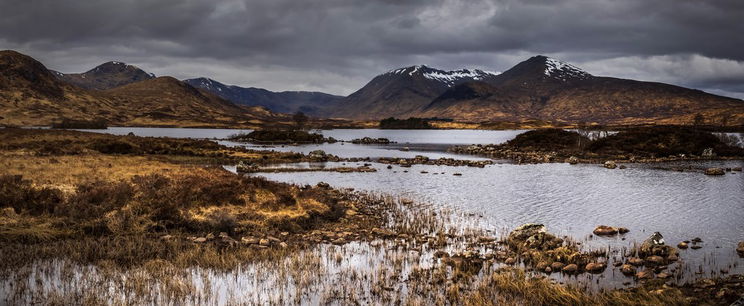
(337, 45)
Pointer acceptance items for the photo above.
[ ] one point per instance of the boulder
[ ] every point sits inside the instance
(610, 164)
(655, 260)
(645, 274)
(604, 230)
(635, 261)
(533, 236)
(317, 154)
(570, 269)
(572, 160)
(249, 240)
(663, 275)
(556, 266)
(714, 171)
(595, 267)
(622, 230)
(740, 248)
(628, 270)
(651, 245)
(682, 245)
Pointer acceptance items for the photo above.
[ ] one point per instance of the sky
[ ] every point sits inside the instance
(337, 46)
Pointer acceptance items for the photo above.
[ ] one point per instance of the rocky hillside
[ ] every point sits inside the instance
(402, 92)
(30, 94)
(316, 104)
(106, 76)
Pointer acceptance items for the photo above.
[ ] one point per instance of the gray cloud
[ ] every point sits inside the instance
(338, 45)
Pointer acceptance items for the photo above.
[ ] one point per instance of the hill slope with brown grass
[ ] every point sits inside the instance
(106, 76)
(546, 89)
(30, 94)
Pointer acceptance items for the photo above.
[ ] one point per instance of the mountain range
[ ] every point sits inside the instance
(539, 88)
(30, 94)
(316, 104)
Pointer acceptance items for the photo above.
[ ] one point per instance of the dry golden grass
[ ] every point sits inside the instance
(67, 171)
(514, 286)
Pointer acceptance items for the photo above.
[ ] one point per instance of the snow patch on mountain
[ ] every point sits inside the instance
(450, 78)
(563, 71)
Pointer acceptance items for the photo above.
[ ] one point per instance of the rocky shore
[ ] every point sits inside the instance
(640, 145)
(423, 160)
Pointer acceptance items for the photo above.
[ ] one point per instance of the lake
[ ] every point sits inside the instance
(569, 199)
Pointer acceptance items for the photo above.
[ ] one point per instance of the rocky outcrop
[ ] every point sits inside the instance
(370, 140)
(714, 171)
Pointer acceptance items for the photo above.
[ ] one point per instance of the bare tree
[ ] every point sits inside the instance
(300, 119)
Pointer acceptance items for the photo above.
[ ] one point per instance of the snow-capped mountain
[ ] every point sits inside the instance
(405, 90)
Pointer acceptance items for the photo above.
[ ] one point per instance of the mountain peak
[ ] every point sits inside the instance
(558, 69)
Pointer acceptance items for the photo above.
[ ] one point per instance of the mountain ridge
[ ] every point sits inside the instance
(31, 94)
(309, 102)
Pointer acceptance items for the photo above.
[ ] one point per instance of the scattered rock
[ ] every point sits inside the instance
(655, 260)
(570, 269)
(610, 164)
(696, 247)
(740, 248)
(628, 270)
(651, 245)
(604, 230)
(682, 245)
(697, 240)
(645, 274)
(264, 242)
(663, 275)
(323, 185)
(166, 237)
(200, 240)
(737, 169)
(572, 160)
(636, 261)
(623, 230)
(622, 167)
(714, 171)
(249, 240)
(557, 266)
(594, 267)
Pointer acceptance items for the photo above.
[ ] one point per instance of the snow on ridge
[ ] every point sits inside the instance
(447, 77)
(562, 71)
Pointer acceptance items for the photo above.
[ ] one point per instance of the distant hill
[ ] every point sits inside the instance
(30, 94)
(403, 92)
(316, 104)
(106, 76)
